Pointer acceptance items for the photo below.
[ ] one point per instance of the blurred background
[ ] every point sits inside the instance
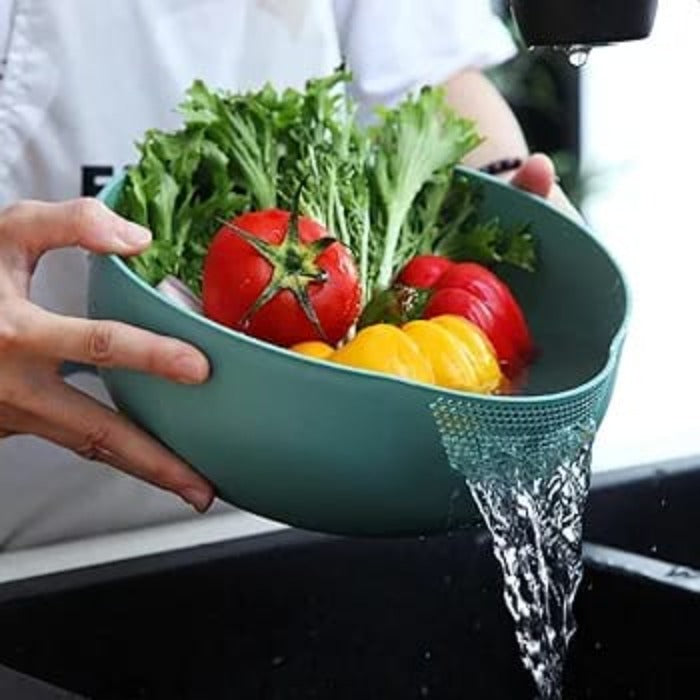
(625, 132)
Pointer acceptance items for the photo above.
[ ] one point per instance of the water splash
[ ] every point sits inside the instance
(530, 485)
(536, 527)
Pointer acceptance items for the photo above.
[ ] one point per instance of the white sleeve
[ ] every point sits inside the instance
(395, 46)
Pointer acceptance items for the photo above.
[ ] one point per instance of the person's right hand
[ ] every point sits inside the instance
(34, 399)
(538, 176)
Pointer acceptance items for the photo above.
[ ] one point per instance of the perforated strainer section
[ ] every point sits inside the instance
(483, 439)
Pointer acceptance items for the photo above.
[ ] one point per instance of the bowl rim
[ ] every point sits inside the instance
(561, 396)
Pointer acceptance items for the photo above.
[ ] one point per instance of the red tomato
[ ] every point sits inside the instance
(423, 271)
(282, 280)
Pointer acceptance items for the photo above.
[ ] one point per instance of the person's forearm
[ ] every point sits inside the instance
(473, 96)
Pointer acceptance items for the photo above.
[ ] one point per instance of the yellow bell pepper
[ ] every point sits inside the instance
(314, 348)
(385, 348)
(479, 347)
(452, 365)
(447, 350)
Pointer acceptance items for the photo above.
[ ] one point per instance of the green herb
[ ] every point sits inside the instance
(461, 234)
(414, 145)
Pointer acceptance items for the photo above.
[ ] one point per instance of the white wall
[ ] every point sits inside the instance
(641, 124)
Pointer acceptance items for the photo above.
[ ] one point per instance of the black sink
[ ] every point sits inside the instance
(297, 615)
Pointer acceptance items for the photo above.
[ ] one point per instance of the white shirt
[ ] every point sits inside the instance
(83, 80)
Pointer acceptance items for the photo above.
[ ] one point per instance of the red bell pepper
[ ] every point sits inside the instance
(474, 292)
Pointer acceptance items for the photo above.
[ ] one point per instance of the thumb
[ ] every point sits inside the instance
(38, 226)
(535, 175)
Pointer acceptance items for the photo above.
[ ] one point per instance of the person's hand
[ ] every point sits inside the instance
(34, 399)
(538, 176)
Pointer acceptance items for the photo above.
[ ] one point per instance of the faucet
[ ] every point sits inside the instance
(578, 25)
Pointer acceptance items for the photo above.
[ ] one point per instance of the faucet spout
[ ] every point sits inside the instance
(564, 23)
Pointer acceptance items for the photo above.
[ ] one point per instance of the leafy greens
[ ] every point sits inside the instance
(388, 192)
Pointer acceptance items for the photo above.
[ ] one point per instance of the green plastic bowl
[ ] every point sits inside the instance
(339, 450)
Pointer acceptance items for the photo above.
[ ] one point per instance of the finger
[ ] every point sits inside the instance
(21, 423)
(94, 431)
(562, 203)
(40, 226)
(75, 443)
(14, 421)
(536, 175)
(105, 344)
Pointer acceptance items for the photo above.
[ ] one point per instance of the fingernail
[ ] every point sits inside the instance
(199, 500)
(190, 370)
(135, 235)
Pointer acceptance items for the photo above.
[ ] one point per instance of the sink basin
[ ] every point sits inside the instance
(301, 615)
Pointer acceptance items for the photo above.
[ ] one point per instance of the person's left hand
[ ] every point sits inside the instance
(538, 176)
